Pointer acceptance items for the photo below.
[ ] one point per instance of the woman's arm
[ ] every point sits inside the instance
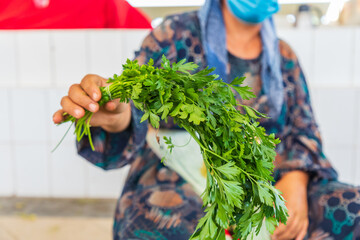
(301, 148)
(293, 186)
(301, 158)
(121, 141)
(113, 117)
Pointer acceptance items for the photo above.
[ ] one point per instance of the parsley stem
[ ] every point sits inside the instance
(206, 107)
(63, 137)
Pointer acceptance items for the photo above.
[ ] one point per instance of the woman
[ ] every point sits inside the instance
(238, 38)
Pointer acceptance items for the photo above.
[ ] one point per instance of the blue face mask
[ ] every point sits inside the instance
(253, 11)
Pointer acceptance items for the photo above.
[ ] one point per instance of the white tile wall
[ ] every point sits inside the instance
(333, 56)
(30, 115)
(106, 184)
(304, 49)
(105, 53)
(335, 113)
(357, 146)
(5, 117)
(357, 165)
(6, 171)
(357, 58)
(68, 172)
(7, 59)
(313, 98)
(343, 160)
(132, 42)
(32, 170)
(34, 59)
(41, 72)
(58, 131)
(71, 57)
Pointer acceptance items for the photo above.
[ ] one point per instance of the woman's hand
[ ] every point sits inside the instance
(112, 117)
(293, 186)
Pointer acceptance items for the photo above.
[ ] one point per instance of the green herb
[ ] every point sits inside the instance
(237, 152)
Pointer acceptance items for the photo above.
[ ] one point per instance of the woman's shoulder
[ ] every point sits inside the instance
(184, 19)
(173, 27)
(286, 51)
(179, 22)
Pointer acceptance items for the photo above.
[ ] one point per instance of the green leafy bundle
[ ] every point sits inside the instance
(237, 152)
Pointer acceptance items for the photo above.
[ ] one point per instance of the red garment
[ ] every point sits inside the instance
(228, 234)
(65, 14)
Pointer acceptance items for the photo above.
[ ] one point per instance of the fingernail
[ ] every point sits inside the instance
(95, 96)
(77, 112)
(110, 106)
(92, 107)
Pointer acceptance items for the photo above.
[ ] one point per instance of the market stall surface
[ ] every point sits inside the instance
(56, 219)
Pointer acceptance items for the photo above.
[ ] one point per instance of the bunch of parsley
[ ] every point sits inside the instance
(237, 152)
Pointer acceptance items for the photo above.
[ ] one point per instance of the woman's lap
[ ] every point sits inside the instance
(161, 205)
(334, 211)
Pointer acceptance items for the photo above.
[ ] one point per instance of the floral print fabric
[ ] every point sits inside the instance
(156, 203)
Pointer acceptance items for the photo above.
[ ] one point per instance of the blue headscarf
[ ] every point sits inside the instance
(213, 39)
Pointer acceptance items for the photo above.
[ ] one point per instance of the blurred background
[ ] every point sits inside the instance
(58, 195)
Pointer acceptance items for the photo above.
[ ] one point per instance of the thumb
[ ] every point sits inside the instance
(115, 106)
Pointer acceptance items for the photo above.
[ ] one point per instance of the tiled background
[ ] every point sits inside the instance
(37, 67)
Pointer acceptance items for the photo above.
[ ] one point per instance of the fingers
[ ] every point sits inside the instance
(58, 116)
(116, 107)
(91, 84)
(85, 96)
(303, 232)
(112, 121)
(289, 231)
(110, 106)
(282, 227)
(295, 229)
(79, 96)
(71, 108)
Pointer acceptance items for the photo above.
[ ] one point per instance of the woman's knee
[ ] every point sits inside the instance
(335, 210)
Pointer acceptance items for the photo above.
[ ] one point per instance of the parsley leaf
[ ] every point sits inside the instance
(237, 152)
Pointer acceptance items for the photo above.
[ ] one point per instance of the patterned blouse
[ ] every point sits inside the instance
(156, 202)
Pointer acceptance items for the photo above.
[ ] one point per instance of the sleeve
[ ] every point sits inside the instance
(301, 148)
(115, 150)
